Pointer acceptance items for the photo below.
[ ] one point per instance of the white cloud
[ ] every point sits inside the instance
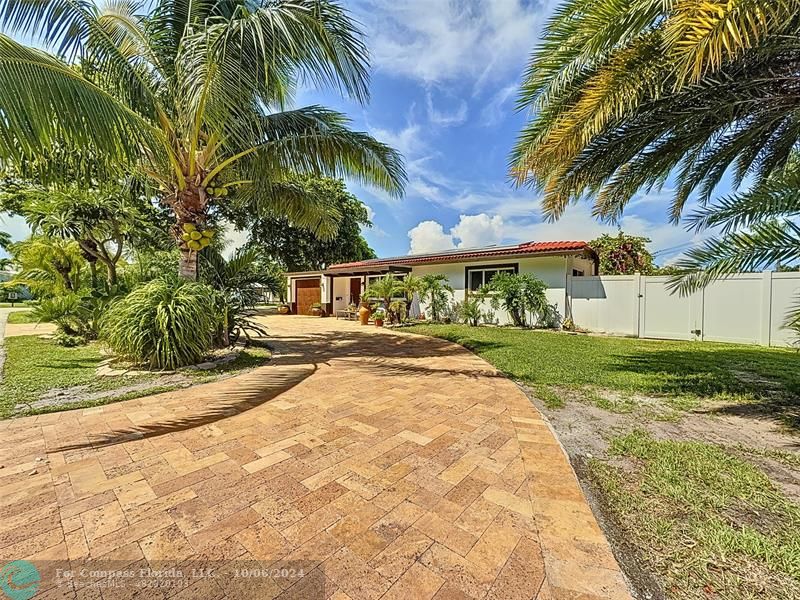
(429, 236)
(577, 223)
(234, 238)
(436, 42)
(478, 230)
(446, 119)
(495, 110)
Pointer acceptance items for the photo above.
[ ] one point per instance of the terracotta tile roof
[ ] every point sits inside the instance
(475, 253)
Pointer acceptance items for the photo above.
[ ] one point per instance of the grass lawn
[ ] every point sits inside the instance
(710, 524)
(35, 366)
(21, 317)
(701, 520)
(682, 372)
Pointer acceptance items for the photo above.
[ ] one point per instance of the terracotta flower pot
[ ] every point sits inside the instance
(378, 322)
(363, 314)
(283, 309)
(316, 312)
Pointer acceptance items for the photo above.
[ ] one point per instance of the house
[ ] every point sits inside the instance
(467, 269)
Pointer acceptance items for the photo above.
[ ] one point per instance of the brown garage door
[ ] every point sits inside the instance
(306, 293)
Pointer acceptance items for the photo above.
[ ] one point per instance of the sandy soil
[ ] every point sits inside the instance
(585, 430)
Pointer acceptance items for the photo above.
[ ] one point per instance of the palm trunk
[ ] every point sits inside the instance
(187, 268)
(190, 207)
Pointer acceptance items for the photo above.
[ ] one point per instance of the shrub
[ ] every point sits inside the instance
(68, 312)
(164, 323)
(469, 311)
(523, 296)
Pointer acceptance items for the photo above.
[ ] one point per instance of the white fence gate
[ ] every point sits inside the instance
(747, 308)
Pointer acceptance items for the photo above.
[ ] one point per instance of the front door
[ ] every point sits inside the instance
(355, 290)
(306, 294)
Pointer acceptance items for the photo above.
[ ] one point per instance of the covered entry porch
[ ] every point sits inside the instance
(334, 290)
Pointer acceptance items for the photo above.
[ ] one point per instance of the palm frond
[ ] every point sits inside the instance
(742, 251)
(44, 102)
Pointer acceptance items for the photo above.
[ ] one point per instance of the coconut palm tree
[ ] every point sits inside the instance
(622, 94)
(193, 95)
(5, 240)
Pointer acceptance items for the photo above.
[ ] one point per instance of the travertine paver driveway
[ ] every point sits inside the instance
(359, 463)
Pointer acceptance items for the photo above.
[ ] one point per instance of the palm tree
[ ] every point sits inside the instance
(758, 228)
(412, 284)
(194, 96)
(238, 281)
(6, 263)
(435, 290)
(624, 93)
(5, 240)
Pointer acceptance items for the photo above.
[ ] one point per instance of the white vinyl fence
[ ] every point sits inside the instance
(747, 308)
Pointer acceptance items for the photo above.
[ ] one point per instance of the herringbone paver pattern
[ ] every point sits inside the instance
(359, 464)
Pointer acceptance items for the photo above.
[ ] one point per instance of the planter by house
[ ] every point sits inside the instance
(379, 315)
(283, 309)
(363, 314)
(317, 310)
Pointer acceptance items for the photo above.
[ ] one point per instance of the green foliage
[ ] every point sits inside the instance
(237, 282)
(522, 295)
(436, 292)
(102, 220)
(297, 248)
(386, 289)
(68, 312)
(190, 96)
(468, 311)
(683, 373)
(623, 254)
(163, 324)
(702, 518)
(621, 94)
(758, 229)
(49, 266)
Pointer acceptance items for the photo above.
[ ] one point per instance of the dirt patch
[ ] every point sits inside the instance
(588, 420)
(79, 393)
(584, 429)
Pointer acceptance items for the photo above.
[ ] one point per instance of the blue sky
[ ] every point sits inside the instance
(444, 84)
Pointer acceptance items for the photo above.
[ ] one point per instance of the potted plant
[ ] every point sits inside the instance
(379, 314)
(317, 310)
(283, 309)
(364, 311)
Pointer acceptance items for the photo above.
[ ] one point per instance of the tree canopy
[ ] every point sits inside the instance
(623, 254)
(299, 249)
(195, 97)
(622, 94)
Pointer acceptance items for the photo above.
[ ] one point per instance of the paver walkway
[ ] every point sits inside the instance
(359, 464)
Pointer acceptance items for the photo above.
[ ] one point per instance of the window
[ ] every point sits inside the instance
(478, 276)
(577, 273)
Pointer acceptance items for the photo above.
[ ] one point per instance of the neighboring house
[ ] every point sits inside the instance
(554, 262)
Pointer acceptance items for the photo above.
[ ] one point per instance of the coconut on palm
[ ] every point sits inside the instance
(189, 227)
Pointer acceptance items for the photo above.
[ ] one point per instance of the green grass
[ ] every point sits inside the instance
(709, 523)
(21, 317)
(681, 372)
(34, 365)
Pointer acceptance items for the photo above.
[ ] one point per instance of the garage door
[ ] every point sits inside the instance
(306, 293)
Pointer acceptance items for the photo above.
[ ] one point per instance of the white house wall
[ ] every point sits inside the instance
(550, 269)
